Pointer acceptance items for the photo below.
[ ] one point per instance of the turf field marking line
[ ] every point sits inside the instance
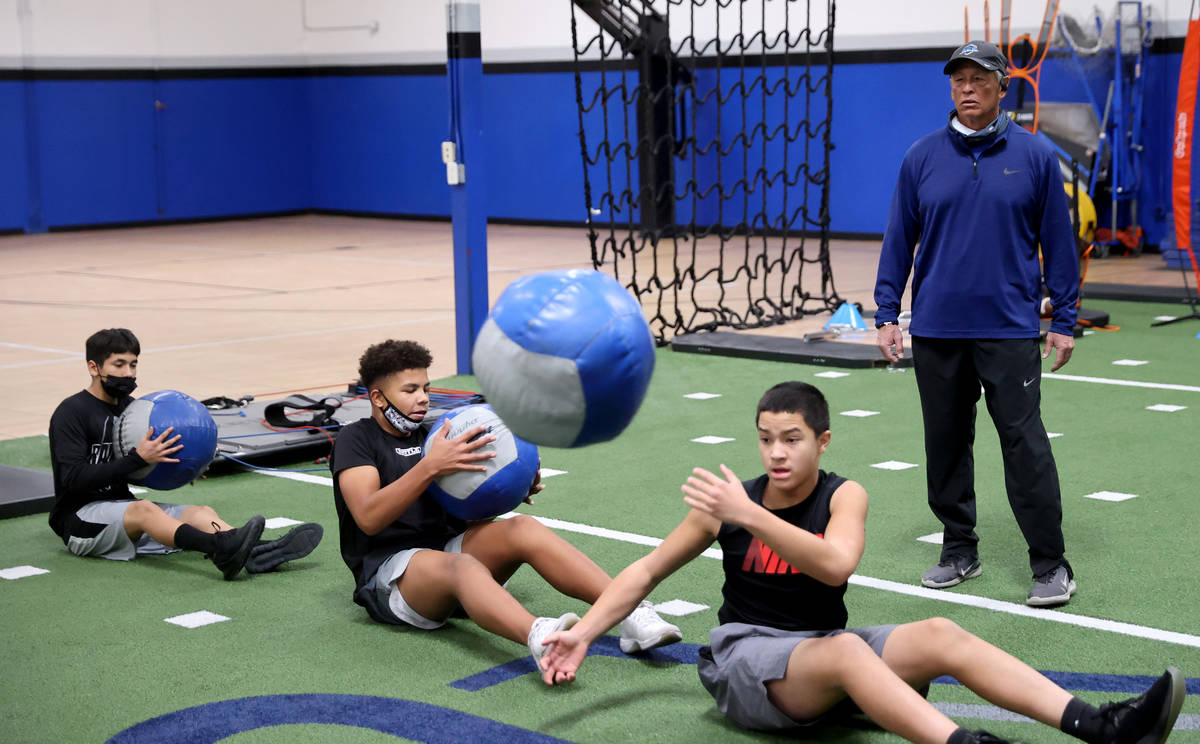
(1166, 407)
(1126, 383)
(710, 439)
(193, 620)
(1112, 626)
(21, 572)
(277, 522)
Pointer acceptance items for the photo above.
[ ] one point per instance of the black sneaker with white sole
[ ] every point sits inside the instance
(951, 572)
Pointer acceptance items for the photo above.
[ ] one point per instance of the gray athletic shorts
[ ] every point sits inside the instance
(109, 539)
(384, 585)
(741, 659)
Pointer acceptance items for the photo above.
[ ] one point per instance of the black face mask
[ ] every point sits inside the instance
(402, 423)
(118, 387)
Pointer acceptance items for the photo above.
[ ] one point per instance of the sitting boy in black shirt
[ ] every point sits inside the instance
(94, 512)
(413, 563)
(782, 657)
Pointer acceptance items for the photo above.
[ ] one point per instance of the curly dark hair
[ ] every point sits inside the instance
(797, 397)
(389, 357)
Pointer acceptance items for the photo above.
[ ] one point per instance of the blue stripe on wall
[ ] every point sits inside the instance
(370, 143)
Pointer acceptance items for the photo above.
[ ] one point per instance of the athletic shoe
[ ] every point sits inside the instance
(951, 572)
(544, 626)
(644, 630)
(1148, 718)
(234, 546)
(299, 542)
(1051, 588)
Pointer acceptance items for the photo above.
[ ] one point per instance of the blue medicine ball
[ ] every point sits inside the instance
(471, 494)
(192, 422)
(565, 357)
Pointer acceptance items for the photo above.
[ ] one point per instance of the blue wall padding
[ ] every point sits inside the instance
(96, 150)
(376, 144)
(370, 143)
(13, 153)
(237, 146)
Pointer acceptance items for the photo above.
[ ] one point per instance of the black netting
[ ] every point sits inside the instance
(705, 132)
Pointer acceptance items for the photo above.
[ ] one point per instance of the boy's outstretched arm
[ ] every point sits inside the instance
(830, 559)
(567, 649)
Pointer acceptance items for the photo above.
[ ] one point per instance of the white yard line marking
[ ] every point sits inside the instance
(710, 439)
(1125, 383)
(702, 396)
(275, 523)
(1112, 626)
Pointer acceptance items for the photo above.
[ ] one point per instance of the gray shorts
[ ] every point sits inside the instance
(742, 658)
(388, 594)
(105, 522)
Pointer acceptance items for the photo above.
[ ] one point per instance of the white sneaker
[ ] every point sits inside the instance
(544, 626)
(644, 630)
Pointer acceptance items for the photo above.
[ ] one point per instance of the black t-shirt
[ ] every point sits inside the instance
(423, 525)
(83, 454)
(761, 588)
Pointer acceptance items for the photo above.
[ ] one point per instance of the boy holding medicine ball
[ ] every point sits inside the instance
(94, 512)
(413, 563)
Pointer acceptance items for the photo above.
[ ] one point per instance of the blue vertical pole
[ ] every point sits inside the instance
(464, 172)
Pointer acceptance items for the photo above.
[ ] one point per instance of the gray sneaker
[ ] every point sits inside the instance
(951, 572)
(1051, 589)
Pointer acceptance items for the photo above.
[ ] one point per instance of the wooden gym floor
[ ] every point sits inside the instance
(270, 305)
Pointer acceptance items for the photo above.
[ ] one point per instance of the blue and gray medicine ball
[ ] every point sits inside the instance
(482, 495)
(565, 357)
(192, 422)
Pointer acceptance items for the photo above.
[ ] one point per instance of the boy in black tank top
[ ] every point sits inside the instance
(782, 657)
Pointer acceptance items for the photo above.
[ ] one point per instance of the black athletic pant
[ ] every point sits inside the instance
(949, 375)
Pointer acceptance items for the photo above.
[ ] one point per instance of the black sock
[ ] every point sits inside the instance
(190, 538)
(960, 736)
(1083, 721)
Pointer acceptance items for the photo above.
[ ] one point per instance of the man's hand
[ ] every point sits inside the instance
(1062, 344)
(565, 653)
(159, 449)
(448, 455)
(890, 340)
(723, 498)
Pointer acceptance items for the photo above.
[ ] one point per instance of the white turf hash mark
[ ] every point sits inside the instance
(894, 465)
(702, 396)
(1165, 407)
(937, 595)
(277, 522)
(1110, 496)
(933, 539)
(679, 607)
(196, 619)
(21, 572)
(859, 413)
(832, 375)
(710, 439)
(1130, 362)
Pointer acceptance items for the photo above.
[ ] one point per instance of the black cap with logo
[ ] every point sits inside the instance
(986, 55)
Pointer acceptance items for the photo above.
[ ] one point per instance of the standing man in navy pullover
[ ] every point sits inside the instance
(979, 197)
